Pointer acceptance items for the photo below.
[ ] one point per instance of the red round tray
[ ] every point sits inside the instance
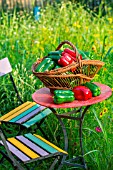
(44, 97)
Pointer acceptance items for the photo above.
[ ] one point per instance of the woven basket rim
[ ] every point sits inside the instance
(66, 76)
(62, 69)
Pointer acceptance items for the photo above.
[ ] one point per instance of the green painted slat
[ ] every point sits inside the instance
(37, 118)
(39, 142)
(24, 113)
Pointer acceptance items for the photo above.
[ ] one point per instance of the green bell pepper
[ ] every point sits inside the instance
(66, 92)
(41, 65)
(55, 52)
(54, 57)
(49, 66)
(96, 91)
(57, 66)
(63, 96)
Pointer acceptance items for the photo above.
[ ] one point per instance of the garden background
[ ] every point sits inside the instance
(24, 40)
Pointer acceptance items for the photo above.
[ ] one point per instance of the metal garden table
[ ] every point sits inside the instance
(44, 97)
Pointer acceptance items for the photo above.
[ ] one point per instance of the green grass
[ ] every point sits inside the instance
(24, 41)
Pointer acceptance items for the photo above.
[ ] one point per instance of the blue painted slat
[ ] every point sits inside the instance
(24, 113)
(41, 143)
(30, 115)
(32, 146)
(37, 118)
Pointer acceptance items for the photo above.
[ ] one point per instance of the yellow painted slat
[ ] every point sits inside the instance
(51, 144)
(23, 148)
(20, 111)
(14, 110)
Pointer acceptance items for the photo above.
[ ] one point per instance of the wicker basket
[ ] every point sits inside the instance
(72, 75)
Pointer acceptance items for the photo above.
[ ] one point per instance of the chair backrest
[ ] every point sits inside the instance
(5, 68)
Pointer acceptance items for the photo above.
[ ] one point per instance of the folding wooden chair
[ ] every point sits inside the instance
(21, 150)
(28, 113)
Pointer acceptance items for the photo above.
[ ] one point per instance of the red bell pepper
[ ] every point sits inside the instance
(65, 60)
(69, 51)
(74, 58)
(72, 53)
(82, 93)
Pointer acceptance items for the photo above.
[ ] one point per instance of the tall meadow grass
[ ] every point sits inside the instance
(24, 40)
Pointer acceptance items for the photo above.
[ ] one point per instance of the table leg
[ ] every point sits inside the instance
(71, 162)
(65, 136)
(80, 134)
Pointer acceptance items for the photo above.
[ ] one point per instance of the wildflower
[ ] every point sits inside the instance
(96, 35)
(98, 129)
(86, 27)
(112, 89)
(96, 75)
(105, 69)
(105, 110)
(42, 49)
(76, 24)
(67, 29)
(13, 47)
(111, 37)
(94, 48)
(101, 114)
(110, 20)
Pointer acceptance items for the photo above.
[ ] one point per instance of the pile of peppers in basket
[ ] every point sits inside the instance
(82, 92)
(58, 59)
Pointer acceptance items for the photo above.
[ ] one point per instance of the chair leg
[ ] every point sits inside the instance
(53, 164)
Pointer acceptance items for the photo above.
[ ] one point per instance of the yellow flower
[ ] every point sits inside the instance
(12, 47)
(67, 29)
(111, 37)
(110, 20)
(94, 48)
(112, 89)
(76, 24)
(86, 27)
(110, 32)
(105, 110)
(101, 114)
(42, 49)
(96, 35)
(96, 75)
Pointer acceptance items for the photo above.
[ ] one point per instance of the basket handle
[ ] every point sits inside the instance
(74, 48)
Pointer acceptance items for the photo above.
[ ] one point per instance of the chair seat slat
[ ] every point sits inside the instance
(23, 148)
(30, 115)
(27, 112)
(15, 110)
(37, 118)
(32, 146)
(51, 144)
(17, 152)
(19, 112)
(41, 143)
